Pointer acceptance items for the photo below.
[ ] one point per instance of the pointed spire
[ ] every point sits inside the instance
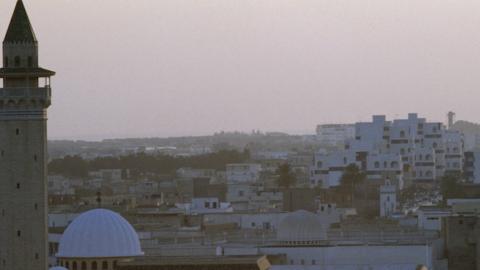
(20, 29)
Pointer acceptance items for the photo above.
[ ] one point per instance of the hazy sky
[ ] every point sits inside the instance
(190, 67)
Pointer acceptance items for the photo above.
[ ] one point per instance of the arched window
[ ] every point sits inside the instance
(402, 134)
(84, 265)
(67, 265)
(74, 266)
(17, 61)
(94, 265)
(385, 164)
(420, 157)
(104, 265)
(434, 145)
(394, 164)
(377, 164)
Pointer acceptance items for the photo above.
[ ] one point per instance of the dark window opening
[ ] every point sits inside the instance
(35, 157)
(18, 185)
(5, 61)
(84, 266)
(2, 153)
(94, 266)
(30, 61)
(17, 61)
(104, 265)
(19, 233)
(74, 266)
(36, 256)
(35, 206)
(17, 131)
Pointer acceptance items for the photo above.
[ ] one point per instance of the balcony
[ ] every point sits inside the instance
(17, 93)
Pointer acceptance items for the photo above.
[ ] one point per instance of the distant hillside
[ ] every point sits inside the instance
(466, 127)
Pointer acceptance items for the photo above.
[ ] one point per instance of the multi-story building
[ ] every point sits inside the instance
(335, 134)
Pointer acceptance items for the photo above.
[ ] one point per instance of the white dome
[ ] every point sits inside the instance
(301, 226)
(99, 233)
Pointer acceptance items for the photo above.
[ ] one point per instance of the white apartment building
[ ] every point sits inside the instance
(422, 144)
(328, 168)
(454, 151)
(335, 134)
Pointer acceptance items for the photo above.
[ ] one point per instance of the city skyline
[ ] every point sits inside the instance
(243, 65)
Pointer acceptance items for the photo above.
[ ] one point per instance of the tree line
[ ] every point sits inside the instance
(141, 163)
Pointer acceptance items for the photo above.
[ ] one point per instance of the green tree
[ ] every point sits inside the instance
(450, 186)
(351, 178)
(286, 178)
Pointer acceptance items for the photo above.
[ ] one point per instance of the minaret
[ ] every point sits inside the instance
(23, 149)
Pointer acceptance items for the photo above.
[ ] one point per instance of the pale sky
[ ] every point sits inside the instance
(128, 68)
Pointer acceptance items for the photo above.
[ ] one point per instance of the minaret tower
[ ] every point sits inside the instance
(24, 100)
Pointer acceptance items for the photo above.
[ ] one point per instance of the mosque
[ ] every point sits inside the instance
(97, 240)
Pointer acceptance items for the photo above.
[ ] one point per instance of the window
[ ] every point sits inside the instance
(30, 61)
(84, 265)
(36, 256)
(402, 134)
(35, 157)
(94, 265)
(302, 262)
(18, 185)
(104, 265)
(17, 131)
(17, 61)
(5, 61)
(253, 224)
(74, 266)
(35, 206)
(19, 233)
(377, 164)
(67, 265)
(314, 262)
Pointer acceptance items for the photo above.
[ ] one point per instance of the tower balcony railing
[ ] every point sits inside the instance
(44, 92)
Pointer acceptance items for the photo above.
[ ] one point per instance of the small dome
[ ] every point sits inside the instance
(99, 233)
(57, 268)
(301, 226)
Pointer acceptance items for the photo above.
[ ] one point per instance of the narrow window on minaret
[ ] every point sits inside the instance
(35, 157)
(36, 206)
(36, 256)
(18, 185)
(19, 233)
(17, 131)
